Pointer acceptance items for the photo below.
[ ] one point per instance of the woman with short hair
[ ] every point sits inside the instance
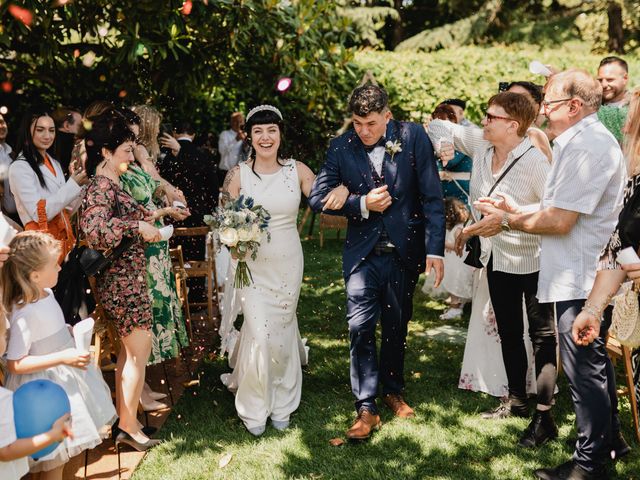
(505, 163)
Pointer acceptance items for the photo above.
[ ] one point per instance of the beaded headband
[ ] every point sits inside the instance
(261, 108)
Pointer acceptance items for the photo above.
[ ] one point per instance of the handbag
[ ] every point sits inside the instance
(93, 261)
(59, 227)
(625, 320)
(474, 247)
(72, 287)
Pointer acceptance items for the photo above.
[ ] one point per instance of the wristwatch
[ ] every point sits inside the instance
(504, 224)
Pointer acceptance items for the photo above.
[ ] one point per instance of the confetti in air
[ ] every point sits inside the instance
(89, 59)
(21, 14)
(186, 7)
(283, 84)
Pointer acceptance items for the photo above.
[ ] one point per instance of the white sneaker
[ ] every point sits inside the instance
(451, 314)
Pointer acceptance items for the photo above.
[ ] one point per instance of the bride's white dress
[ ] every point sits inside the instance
(268, 354)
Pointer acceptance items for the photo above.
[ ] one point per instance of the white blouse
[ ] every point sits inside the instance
(27, 191)
(513, 252)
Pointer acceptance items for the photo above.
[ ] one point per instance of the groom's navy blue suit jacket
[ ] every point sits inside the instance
(415, 220)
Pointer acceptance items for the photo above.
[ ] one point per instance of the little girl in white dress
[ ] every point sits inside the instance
(14, 451)
(458, 276)
(41, 347)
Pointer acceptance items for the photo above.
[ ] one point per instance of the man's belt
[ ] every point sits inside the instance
(383, 247)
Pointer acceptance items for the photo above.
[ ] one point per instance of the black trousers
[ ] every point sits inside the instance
(507, 291)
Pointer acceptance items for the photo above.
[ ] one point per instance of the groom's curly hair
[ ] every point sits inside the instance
(368, 98)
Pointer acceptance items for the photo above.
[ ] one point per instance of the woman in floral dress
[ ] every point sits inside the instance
(108, 216)
(169, 332)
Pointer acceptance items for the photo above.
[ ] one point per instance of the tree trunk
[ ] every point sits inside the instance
(398, 27)
(615, 30)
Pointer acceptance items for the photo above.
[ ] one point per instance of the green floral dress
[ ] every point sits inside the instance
(169, 332)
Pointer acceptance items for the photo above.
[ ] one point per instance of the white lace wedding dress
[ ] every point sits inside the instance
(268, 355)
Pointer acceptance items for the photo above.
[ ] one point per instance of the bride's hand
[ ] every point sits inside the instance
(336, 198)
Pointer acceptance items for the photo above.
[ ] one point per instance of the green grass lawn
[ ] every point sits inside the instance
(446, 440)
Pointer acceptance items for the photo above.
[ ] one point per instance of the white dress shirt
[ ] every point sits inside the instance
(8, 202)
(588, 176)
(230, 149)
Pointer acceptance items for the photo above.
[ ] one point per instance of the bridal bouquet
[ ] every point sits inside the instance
(239, 225)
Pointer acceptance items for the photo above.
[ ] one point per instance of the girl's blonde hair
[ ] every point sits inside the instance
(150, 120)
(30, 252)
(632, 137)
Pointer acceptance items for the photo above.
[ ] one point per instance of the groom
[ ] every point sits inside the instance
(396, 220)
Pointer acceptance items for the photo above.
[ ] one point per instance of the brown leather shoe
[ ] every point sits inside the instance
(396, 403)
(364, 424)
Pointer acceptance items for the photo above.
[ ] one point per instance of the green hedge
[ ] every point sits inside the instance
(417, 82)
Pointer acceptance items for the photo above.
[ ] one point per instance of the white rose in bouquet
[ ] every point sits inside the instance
(229, 237)
(256, 234)
(245, 234)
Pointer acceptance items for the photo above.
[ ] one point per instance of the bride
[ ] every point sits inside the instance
(269, 353)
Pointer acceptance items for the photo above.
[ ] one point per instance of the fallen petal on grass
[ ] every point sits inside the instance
(224, 461)
(336, 442)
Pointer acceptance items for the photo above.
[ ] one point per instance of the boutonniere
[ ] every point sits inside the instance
(393, 147)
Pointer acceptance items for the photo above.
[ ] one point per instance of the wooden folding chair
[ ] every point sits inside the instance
(177, 262)
(331, 222)
(617, 352)
(202, 268)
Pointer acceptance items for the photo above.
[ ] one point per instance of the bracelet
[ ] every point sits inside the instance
(592, 310)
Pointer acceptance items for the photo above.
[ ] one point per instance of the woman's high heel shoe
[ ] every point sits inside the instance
(115, 430)
(124, 438)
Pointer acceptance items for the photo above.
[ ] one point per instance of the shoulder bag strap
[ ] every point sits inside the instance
(507, 171)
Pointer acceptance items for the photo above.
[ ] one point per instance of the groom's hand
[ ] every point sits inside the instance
(378, 199)
(437, 265)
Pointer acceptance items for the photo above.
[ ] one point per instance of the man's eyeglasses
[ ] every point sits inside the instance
(491, 117)
(547, 103)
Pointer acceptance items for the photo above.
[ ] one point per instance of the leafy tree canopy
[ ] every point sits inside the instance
(196, 60)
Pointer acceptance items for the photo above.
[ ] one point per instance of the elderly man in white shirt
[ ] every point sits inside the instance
(583, 196)
(230, 145)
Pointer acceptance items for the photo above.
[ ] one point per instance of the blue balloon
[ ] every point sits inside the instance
(36, 406)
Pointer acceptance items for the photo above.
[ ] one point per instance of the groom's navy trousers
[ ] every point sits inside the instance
(379, 288)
